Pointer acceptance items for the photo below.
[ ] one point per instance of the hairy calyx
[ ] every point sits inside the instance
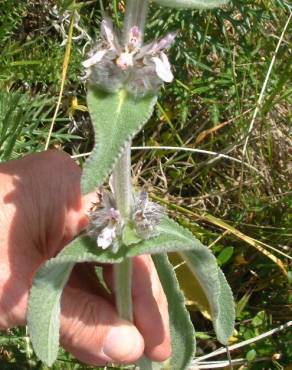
(106, 225)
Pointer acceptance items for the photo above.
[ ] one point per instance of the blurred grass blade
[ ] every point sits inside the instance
(64, 74)
(225, 255)
(247, 239)
(20, 117)
(242, 303)
(202, 135)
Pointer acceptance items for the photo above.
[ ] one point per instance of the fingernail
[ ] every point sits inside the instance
(123, 344)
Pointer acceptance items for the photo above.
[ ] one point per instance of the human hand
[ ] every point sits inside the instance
(41, 210)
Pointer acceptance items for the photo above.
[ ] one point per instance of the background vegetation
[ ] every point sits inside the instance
(238, 203)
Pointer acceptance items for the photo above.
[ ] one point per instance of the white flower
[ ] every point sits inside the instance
(107, 236)
(141, 70)
(105, 223)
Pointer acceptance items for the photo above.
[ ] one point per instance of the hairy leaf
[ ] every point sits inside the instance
(181, 327)
(44, 301)
(193, 4)
(116, 118)
(43, 317)
(145, 363)
(224, 324)
(203, 265)
(193, 292)
(171, 237)
(84, 249)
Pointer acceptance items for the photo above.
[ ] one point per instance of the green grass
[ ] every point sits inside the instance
(221, 60)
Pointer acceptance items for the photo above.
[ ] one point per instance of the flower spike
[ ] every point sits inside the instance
(140, 70)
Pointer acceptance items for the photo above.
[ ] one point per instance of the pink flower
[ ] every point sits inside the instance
(139, 69)
(106, 225)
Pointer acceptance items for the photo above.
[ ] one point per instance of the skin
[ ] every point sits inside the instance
(41, 210)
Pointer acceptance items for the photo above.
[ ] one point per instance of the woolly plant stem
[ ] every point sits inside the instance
(123, 271)
(136, 13)
(122, 183)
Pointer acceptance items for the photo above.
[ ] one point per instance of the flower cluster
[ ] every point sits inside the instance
(106, 224)
(146, 216)
(139, 69)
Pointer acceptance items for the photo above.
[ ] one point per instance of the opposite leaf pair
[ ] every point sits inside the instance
(44, 304)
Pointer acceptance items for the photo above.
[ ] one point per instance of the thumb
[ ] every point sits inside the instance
(92, 331)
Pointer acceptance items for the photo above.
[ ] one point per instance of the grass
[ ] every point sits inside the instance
(221, 60)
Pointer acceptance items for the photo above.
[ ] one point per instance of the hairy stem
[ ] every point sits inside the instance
(122, 183)
(123, 279)
(136, 13)
(123, 271)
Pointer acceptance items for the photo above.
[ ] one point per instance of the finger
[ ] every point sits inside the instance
(149, 306)
(92, 331)
(84, 277)
(151, 309)
(65, 209)
(76, 218)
